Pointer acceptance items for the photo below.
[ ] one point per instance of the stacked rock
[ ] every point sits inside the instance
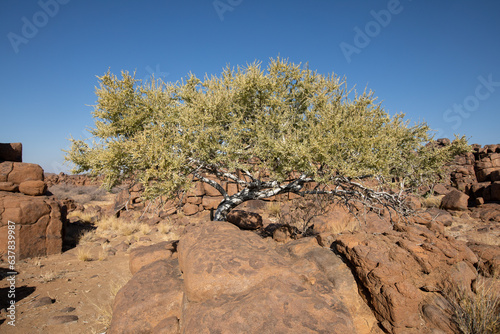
(18, 176)
(37, 220)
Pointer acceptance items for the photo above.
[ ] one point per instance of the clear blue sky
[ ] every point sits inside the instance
(436, 61)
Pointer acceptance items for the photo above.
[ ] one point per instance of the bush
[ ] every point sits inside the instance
(479, 312)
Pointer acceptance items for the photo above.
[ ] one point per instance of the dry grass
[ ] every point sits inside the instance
(274, 209)
(83, 254)
(49, 276)
(348, 224)
(431, 201)
(104, 308)
(88, 236)
(80, 194)
(476, 313)
(85, 217)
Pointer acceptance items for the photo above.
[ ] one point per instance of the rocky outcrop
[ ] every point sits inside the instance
(455, 200)
(76, 180)
(37, 220)
(24, 177)
(403, 271)
(38, 225)
(231, 281)
(477, 174)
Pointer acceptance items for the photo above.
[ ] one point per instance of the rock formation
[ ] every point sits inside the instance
(38, 219)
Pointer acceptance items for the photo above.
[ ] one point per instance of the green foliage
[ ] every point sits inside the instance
(287, 116)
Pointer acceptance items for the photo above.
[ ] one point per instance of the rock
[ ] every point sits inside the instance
(38, 224)
(245, 220)
(22, 171)
(42, 302)
(398, 271)
(122, 246)
(216, 259)
(154, 293)
(490, 258)
(211, 202)
(168, 325)
(142, 256)
(211, 191)
(495, 191)
(440, 189)
(9, 186)
(190, 209)
(327, 271)
(235, 282)
(197, 190)
(67, 309)
(443, 141)
(455, 200)
(121, 201)
(272, 307)
(61, 319)
(33, 188)
(11, 152)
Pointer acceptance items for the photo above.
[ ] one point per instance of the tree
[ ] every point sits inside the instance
(271, 131)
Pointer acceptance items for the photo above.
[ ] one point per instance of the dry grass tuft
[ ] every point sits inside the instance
(49, 276)
(274, 209)
(431, 201)
(348, 224)
(105, 308)
(88, 236)
(85, 217)
(476, 313)
(83, 254)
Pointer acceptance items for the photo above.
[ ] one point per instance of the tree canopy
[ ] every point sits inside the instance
(270, 130)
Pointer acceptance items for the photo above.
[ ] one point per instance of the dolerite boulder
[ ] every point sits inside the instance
(38, 225)
(17, 172)
(11, 152)
(403, 271)
(455, 200)
(154, 293)
(33, 188)
(228, 280)
(245, 220)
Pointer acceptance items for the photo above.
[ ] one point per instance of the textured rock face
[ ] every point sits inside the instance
(455, 200)
(11, 152)
(232, 281)
(245, 220)
(142, 256)
(154, 293)
(33, 188)
(402, 272)
(38, 222)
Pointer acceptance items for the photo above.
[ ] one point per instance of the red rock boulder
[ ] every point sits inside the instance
(455, 200)
(38, 224)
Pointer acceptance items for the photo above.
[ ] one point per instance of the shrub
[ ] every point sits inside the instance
(479, 312)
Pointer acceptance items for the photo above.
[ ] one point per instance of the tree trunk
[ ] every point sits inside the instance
(223, 209)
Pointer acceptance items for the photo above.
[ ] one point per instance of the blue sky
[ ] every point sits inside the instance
(435, 61)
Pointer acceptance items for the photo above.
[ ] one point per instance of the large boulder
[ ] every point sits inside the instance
(153, 294)
(11, 152)
(232, 281)
(245, 220)
(38, 225)
(402, 272)
(235, 282)
(455, 200)
(33, 188)
(142, 256)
